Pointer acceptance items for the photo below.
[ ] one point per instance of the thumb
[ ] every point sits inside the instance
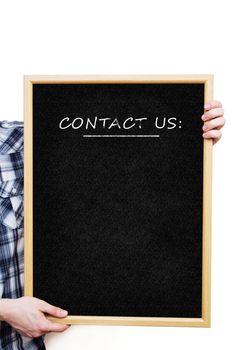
(53, 310)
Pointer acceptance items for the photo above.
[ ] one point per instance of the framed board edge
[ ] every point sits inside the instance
(207, 80)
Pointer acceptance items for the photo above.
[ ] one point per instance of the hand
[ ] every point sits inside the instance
(26, 315)
(213, 121)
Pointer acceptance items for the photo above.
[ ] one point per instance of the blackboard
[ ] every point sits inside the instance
(117, 198)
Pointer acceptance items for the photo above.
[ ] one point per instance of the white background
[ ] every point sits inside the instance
(133, 37)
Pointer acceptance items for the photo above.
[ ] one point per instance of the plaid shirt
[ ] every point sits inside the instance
(12, 230)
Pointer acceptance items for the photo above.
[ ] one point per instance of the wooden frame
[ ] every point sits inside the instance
(204, 321)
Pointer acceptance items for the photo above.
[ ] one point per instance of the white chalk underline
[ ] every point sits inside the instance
(121, 135)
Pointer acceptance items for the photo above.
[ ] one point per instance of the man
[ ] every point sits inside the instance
(22, 319)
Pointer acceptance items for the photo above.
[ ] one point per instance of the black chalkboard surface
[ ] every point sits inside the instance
(117, 193)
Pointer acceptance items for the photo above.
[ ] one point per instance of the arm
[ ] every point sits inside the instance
(27, 316)
(213, 120)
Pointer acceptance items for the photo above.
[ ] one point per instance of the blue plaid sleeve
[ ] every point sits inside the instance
(12, 230)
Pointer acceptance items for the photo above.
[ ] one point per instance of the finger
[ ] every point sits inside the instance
(57, 327)
(212, 104)
(213, 124)
(213, 134)
(52, 310)
(213, 113)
